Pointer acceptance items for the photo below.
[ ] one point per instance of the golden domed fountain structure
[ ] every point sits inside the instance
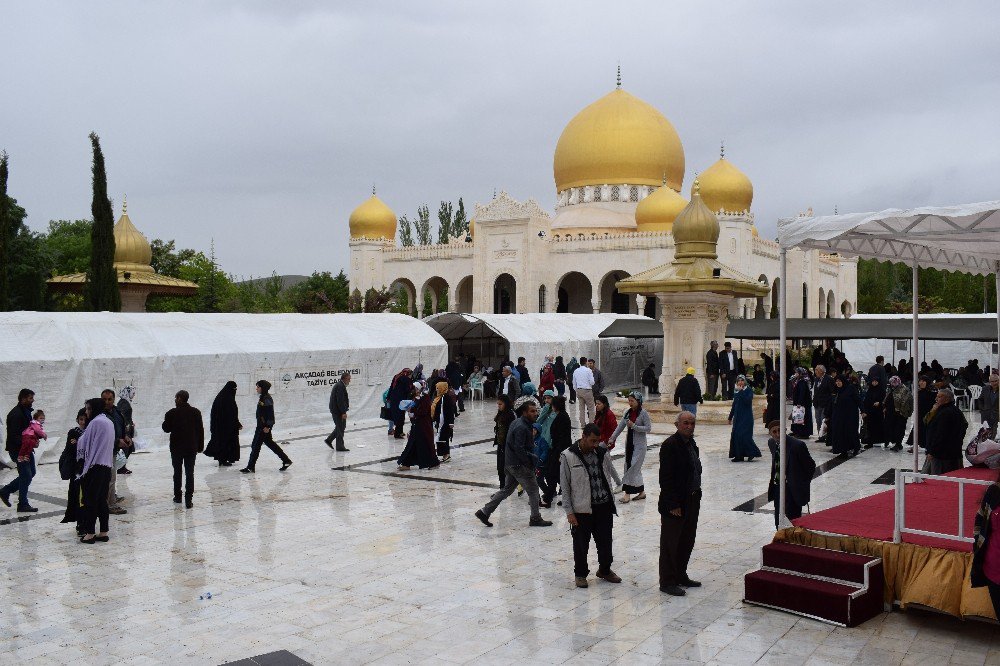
(136, 278)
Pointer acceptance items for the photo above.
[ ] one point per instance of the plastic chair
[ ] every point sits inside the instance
(477, 385)
(972, 394)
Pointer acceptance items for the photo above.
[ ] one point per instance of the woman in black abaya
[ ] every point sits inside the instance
(225, 427)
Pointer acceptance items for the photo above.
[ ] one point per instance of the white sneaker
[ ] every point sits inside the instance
(625, 498)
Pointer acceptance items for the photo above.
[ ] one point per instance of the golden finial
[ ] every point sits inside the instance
(664, 176)
(835, 209)
(722, 151)
(373, 189)
(124, 204)
(696, 188)
(619, 78)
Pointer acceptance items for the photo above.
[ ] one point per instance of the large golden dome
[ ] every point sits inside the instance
(373, 219)
(725, 188)
(132, 251)
(619, 139)
(658, 211)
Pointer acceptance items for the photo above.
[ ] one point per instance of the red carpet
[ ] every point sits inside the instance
(931, 506)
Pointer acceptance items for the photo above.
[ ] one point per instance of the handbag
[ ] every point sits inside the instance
(384, 414)
(67, 464)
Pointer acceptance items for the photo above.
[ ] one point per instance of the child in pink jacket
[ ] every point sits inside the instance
(26, 462)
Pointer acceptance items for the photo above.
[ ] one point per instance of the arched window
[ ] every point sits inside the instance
(541, 298)
(805, 301)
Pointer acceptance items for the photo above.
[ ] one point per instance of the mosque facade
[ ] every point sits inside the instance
(619, 169)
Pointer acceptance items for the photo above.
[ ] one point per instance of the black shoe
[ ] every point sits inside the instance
(687, 582)
(897, 447)
(5, 499)
(124, 470)
(740, 459)
(67, 520)
(539, 522)
(673, 590)
(821, 439)
(88, 541)
(344, 449)
(329, 442)
(26, 508)
(102, 539)
(177, 499)
(189, 503)
(481, 515)
(285, 466)
(246, 470)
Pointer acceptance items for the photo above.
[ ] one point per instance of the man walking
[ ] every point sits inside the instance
(598, 377)
(583, 382)
(340, 403)
(712, 368)
(822, 396)
(679, 505)
(688, 392)
(456, 378)
(187, 440)
(729, 367)
(799, 472)
(17, 420)
(520, 462)
(589, 502)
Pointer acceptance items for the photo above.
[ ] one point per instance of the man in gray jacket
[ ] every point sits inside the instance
(589, 503)
(520, 462)
(340, 403)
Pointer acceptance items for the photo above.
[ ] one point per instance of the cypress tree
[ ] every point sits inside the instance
(102, 278)
(5, 236)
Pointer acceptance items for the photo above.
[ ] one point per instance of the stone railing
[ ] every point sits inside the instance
(763, 247)
(436, 251)
(559, 243)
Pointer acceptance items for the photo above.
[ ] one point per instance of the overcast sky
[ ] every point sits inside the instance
(263, 124)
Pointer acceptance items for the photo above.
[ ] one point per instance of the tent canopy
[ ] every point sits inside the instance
(963, 238)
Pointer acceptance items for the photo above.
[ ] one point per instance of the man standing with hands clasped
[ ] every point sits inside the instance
(340, 403)
(679, 505)
(187, 440)
(589, 503)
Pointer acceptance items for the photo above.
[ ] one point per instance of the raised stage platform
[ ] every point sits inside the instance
(925, 571)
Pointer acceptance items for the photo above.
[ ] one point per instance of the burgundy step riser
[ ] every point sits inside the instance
(811, 597)
(816, 562)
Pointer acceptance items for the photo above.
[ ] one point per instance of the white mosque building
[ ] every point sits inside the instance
(619, 170)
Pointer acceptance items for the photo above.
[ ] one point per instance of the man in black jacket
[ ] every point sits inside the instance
(822, 395)
(946, 426)
(456, 378)
(712, 368)
(688, 392)
(17, 420)
(799, 473)
(340, 403)
(187, 440)
(729, 368)
(679, 505)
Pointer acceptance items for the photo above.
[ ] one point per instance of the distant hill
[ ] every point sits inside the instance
(287, 281)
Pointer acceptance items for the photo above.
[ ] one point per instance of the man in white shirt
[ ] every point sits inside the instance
(509, 385)
(583, 382)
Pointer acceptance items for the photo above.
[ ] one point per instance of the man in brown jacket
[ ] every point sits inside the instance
(187, 440)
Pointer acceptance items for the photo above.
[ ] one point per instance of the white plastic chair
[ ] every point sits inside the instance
(972, 394)
(477, 386)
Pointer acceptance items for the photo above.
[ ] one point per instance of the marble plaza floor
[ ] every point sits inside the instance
(365, 565)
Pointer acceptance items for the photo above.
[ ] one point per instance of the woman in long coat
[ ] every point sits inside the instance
(637, 420)
(443, 412)
(741, 444)
(399, 390)
(771, 412)
(802, 397)
(873, 407)
(419, 448)
(225, 426)
(843, 437)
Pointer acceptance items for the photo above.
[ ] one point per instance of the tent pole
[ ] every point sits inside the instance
(916, 388)
(782, 389)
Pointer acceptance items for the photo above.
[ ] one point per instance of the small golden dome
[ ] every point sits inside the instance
(696, 229)
(619, 139)
(726, 188)
(373, 219)
(132, 250)
(658, 211)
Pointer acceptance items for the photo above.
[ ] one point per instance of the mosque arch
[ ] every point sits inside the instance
(575, 294)
(434, 295)
(846, 310)
(409, 294)
(611, 299)
(505, 294)
(805, 300)
(463, 295)
(831, 304)
(775, 294)
(541, 298)
(821, 310)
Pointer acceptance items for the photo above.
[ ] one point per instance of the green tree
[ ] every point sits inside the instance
(444, 222)
(422, 226)
(6, 233)
(101, 289)
(405, 232)
(375, 300)
(216, 292)
(167, 259)
(67, 243)
(460, 226)
(320, 293)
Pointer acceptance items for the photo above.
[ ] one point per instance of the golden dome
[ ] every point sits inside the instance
(132, 250)
(373, 219)
(619, 139)
(726, 188)
(696, 229)
(658, 211)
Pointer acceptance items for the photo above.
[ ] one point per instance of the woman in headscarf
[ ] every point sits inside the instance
(95, 452)
(443, 411)
(501, 423)
(225, 426)
(528, 389)
(606, 420)
(638, 423)
(125, 397)
(419, 448)
(873, 407)
(399, 390)
(771, 412)
(802, 397)
(263, 434)
(559, 375)
(547, 380)
(741, 444)
(67, 467)
(844, 418)
(898, 407)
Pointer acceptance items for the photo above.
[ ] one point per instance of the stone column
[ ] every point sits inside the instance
(690, 322)
(452, 299)
(640, 304)
(595, 303)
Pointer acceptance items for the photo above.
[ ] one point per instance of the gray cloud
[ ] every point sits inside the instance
(262, 125)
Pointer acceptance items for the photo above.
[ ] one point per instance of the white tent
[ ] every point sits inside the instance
(964, 238)
(67, 357)
(497, 337)
(950, 353)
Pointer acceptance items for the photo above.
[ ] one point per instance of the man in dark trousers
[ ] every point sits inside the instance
(799, 473)
(187, 440)
(712, 368)
(729, 368)
(17, 420)
(679, 505)
(589, 502)
(946, 427)
(456, 378)
(340, 403)
(822, 397)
